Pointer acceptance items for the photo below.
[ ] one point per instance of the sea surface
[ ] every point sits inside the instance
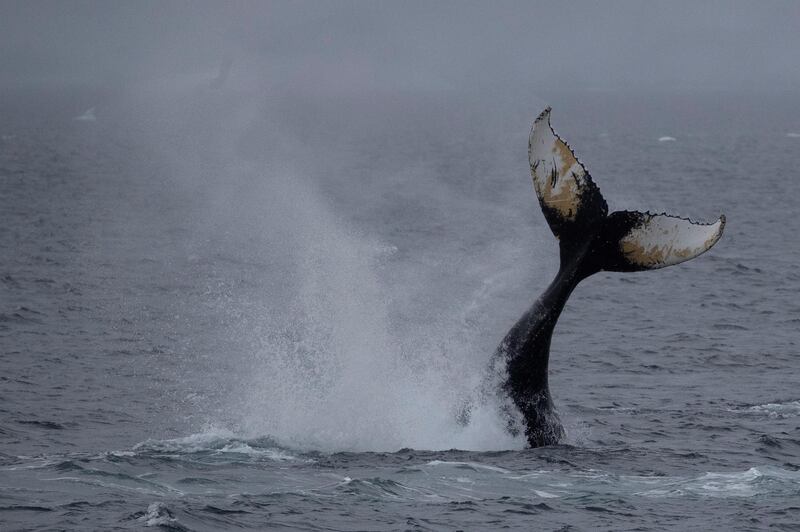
(264, 308)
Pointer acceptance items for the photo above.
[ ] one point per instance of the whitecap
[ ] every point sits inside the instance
(122, 454)
(203, 441)
(752, 482)
(87, 116)
(545, 494)
(158, 515)
(773, 410)
(472, 465)
(217, 442)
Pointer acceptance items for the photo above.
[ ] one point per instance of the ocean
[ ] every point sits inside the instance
(263, 309)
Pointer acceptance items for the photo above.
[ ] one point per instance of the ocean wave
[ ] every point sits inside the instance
(591, 485)
(754, 481)
(473, 466)
(384, 488)
(219, 444)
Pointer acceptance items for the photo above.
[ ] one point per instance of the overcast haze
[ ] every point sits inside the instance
(258, 259)
(343, 45)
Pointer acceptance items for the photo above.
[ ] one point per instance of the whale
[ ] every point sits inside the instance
(590, 240)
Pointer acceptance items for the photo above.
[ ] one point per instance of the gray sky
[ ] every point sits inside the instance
(409, 45)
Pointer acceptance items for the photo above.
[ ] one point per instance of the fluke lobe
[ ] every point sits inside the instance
(590, 240)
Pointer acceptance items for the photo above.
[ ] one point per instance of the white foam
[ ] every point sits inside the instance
(752, 482)
(215, 441)
(463, 480)
(713, 484)
(122, 454)
(666, 139)
(240, 447)
(188, 444)
(773, 410)
(789, 409)
(157, 515)
(793, 135)
(470, 465)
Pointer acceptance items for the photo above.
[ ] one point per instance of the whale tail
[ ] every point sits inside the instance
(623, 241)
(590, 240)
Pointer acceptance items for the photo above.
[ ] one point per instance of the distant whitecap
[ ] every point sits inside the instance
(793, 135)
(777, 410)
(87, 116)
(158, 514)
(666, 139)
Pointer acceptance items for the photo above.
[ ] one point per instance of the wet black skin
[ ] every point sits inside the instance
(526, 350)
(587, 245)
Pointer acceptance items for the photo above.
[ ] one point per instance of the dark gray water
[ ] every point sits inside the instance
(263, 311)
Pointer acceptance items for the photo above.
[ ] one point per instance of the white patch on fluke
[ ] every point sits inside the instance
(663, 240)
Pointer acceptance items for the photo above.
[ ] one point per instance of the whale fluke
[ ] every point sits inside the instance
(569, 198)
(643, 241)
(576, 212)
(590, 240)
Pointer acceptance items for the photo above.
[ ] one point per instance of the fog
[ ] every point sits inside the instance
(407, 45)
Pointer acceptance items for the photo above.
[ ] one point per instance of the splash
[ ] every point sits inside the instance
(310, 329)
(334, 366)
